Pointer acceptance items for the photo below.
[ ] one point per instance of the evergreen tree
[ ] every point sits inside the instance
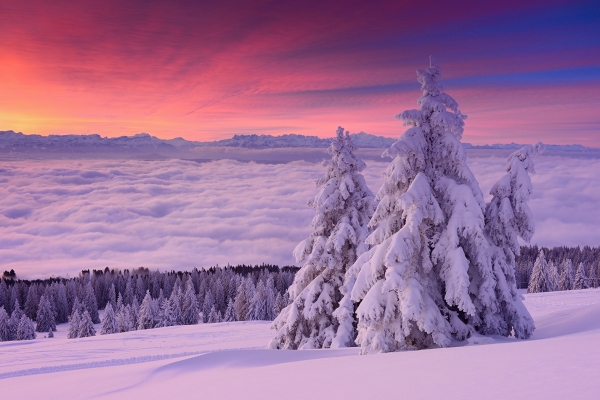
(15, 319)
(167, 317)
(213, 317)
(258, 304)
(230, 312)
(146, 317)
(112, 296)
(175, 305)
(209, 302)
(4, 325)
(581, 279)
(25, 330)
(219, 295)
(109, 320)
(129, 295)
(271, 294)
(31, 304)
(540, 280)
(593, 277)
(61, 304)
(567, 275)
(509, 218)
(433, 274)
(554, 276)
(86, 325)
(45, 316)
(124, 320)
(241, 302)
(4, 295)
(74, 322)
(91, 304)
(343, 207)
(279, 304)
(190, 312)
(134, 313)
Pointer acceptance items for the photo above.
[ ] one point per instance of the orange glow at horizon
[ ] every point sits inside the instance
(208, 71)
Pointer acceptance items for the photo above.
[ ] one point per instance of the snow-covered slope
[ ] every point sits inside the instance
(228, 361)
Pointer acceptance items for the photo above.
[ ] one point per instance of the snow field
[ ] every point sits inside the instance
(229, 361)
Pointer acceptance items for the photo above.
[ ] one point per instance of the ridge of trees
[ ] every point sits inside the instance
(142, 299)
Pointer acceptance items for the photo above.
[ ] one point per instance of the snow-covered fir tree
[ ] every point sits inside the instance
(213, 316)
(112, 296)
(91, 304)
(190, 312)
(86, 325)
(74, 324)
(593, 277)
(433, 273)
(230, 311)
(4, 296)
(209, 303)
(581, 279)
(31, 303)
(15, 319)
(167, 316)
(25, 330)
(279, 304)
(242, 300)
(554, 275)
(508, 218)
(567, 275)
(344, 205)
(540, 280)
(4, 325)
(258, 303)
(124, 319)
(45, 316)
(61, 304)
(146, 317)
(109, 321)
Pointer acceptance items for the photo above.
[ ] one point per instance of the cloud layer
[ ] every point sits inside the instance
(58, 217)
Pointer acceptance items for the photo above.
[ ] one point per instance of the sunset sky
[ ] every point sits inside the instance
(204, 70)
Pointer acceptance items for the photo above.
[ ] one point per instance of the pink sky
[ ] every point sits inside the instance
(207, 70)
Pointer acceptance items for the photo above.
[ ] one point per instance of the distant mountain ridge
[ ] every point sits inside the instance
(361, 140)
(146, 146)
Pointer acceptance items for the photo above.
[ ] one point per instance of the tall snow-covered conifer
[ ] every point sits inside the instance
(581, 279)
(146, 315)
(109, 322)
(344, 205)
(4, 325)
(567, 275)
(430, 275)
(541, 280)
(45, 316)
(86, 326)
(190, 312)
(25, 330)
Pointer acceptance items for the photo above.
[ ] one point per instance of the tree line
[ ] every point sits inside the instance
(141, 299)
(562, 265)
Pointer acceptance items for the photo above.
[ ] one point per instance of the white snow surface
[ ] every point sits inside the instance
(59, 217)
(229, 361)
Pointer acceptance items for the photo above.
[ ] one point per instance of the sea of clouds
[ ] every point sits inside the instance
(59, 217)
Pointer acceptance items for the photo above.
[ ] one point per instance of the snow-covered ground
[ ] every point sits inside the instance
(229, 361)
